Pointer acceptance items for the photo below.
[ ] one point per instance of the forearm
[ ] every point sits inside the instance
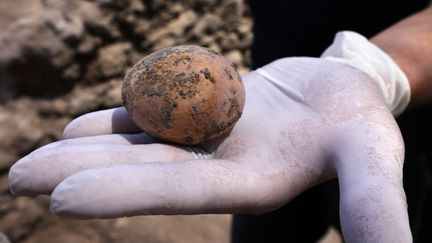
(409, 43)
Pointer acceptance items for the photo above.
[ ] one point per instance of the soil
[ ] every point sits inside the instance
(61, 59)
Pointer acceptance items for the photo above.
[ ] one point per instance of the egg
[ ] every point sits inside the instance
(184, 94)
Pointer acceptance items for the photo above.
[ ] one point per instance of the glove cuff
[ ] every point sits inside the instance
(355, 50)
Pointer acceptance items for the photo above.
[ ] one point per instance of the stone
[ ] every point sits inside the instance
(229, 41)
(98, 21)
(17, 223)
(235, 56)
(137, 6)
(68, 27)
(34, 58)
(207, 25)
(72, 72)
(175, 28)
(89, 44)
(112, 61)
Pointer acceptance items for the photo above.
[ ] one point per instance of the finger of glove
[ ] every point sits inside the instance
(120, 139)
(374, 212)
(193, 187)
(109, 121)
(41, 171)
(372, 200)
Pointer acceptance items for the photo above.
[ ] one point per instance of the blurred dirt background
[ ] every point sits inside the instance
(61, 59)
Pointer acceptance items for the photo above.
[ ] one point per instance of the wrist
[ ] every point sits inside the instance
(408, 43)
(355, 50)
(411, 64)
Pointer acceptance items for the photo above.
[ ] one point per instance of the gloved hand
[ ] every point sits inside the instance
(355, 50)
(305, 121)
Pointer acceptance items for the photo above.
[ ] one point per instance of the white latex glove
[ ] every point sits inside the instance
(354, 49)
(305, 120)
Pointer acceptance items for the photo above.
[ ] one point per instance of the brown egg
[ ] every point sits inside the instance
(184, 94)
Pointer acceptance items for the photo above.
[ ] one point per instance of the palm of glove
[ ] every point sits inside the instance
(305, 121)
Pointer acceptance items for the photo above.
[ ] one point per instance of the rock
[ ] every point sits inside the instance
(177, 229)
(207, 25)
(68, 27)
(17, 124)
(84, 99)
(228, 40)
(206, 40)
(88, 45)
(6, 202)
(4, 184)
(18, 222)
(137, 6)
(7, 90)
(112, 94)
(141, 28)
(201, 5)
(72, 72)
(24, 129)
(245, 26)
(235, 56)
(230, 11)
(166, 42)
(113, 4)
(97, 20)
(215, 47)
(112, 61)
(34, 58)
(57, 229)
(175, 28)
(7, 157)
